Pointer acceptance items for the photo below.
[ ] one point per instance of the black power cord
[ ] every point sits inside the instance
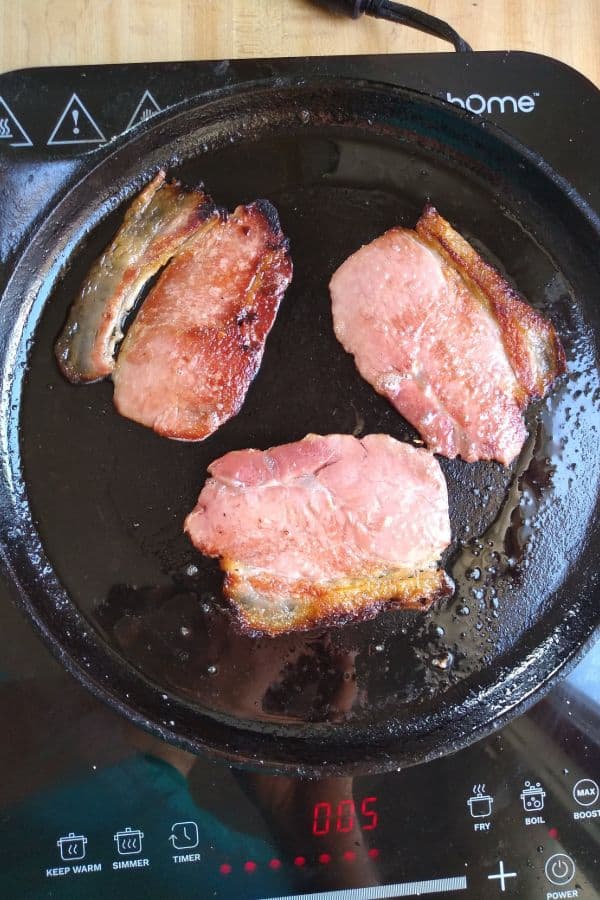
(402, 15)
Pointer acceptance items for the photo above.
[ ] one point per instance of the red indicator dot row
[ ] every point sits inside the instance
(324, 859)
(349, 856)
(249, 866)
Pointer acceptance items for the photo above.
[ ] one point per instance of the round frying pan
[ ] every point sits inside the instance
(92, 505)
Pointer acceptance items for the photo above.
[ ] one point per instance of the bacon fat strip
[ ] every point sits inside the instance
(156, 225)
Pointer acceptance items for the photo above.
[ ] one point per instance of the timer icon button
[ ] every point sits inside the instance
(586, 792)
(560, 869)
(184, 836)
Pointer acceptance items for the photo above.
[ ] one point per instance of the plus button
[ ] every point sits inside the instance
(501, 876)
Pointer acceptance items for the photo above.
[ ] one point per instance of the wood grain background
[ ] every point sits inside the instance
(64, 32)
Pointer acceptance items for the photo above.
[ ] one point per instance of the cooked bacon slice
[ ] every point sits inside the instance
(197, 342)
(323, 530)
(158, 222)
(445, 338)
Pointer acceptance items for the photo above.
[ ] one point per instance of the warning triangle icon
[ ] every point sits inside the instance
(146, 108)
(11, 130)
(75, 126)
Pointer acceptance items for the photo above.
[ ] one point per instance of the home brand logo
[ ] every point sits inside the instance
(476, 103)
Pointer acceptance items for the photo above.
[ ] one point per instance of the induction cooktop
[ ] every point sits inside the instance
(92, 806)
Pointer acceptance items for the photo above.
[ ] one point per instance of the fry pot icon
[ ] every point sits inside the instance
(480, 806)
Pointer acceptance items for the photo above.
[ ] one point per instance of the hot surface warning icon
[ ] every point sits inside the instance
(146, 108)
(11, 130)
(76, 126)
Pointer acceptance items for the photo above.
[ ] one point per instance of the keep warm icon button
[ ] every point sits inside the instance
(72, 850)
(72, 846)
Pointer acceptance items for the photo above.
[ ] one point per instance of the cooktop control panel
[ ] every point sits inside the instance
(90, 806)
(517, 814)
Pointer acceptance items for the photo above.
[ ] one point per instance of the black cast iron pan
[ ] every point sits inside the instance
(92, 505)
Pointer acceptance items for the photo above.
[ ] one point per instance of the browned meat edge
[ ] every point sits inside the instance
(532, 345)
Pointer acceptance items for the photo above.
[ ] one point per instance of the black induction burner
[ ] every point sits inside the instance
(93, 807)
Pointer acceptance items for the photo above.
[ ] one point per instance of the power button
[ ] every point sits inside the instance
(560, 869)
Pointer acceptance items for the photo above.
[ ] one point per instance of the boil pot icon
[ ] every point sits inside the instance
(532, 796)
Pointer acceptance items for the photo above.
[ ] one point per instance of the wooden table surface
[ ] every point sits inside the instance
(64, 32)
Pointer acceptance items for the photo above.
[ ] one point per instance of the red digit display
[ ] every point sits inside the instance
(345, 817)
(321, 818)
(368, 813)
(344, 820)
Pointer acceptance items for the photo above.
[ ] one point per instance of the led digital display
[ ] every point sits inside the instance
(344, 816)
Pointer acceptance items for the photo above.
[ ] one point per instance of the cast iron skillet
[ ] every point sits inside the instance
(92, 505)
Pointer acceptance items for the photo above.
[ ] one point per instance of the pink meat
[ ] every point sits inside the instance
(313, 519)
(444, 338)
(198, 340)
